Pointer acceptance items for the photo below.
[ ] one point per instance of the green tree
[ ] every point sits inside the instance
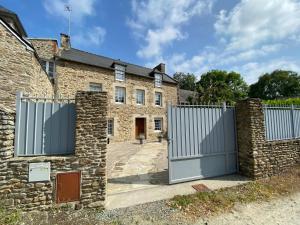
(278, 84)
(187, 81)
(219, 86)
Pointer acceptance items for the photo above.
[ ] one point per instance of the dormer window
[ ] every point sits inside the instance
(158, 80)
(49, 67)
(120, 72)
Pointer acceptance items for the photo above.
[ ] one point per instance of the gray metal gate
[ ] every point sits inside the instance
(44, 126)
(202, 142)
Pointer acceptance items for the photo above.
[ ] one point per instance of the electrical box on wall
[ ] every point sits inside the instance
(39, 172)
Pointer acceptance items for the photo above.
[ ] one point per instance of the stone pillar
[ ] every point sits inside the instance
(90, 145)
(250, 135)
(7, 134)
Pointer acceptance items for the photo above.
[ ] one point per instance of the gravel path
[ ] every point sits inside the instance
(281, 211)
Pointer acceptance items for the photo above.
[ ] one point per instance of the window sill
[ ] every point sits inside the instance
(157, 131)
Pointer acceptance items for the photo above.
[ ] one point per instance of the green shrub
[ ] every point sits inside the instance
(9, 217)
(288, 101)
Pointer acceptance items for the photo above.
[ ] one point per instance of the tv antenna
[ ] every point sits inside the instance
(69, 10)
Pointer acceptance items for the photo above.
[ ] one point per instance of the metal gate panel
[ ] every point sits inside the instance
(44, 126)
(202, 142)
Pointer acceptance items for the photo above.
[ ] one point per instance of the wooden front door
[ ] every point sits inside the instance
(140, 124)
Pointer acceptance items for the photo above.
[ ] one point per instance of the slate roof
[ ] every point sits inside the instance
(79, 56)
(4, 12)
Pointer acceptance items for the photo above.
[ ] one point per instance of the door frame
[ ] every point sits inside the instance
(145, 126)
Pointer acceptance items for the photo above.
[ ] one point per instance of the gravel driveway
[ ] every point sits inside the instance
(281, 211)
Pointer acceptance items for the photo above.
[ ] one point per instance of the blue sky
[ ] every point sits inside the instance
(248, 36)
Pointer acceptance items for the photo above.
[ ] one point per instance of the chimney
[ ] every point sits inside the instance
(161, 67)
(65, 41)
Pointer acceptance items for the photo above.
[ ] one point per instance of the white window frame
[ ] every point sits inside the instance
(160, 127)
(142, 92)
(119, 72)
(120, 92)
(155, 99)
(110, 127)
(46, 66)
(93, 87)
(157, 80)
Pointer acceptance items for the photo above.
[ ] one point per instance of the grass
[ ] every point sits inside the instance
(9, 217)
(222, 200)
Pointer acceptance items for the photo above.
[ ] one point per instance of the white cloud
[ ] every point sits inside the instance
(80, 8)
(252, 70)
(160, 23)
(254, 22)
(155, 41)
(253, 38)
(82, 35)
(93, 37)
(213, 58)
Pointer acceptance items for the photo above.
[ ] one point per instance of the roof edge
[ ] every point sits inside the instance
(18, 36)
(46, 39)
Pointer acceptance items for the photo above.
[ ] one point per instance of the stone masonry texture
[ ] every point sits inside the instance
(72, 77)
(46, 49)
(258, 157)
(89, 159)
(20, 70)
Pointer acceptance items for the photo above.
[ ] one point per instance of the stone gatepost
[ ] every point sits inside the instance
(90, 145)
(250, 135)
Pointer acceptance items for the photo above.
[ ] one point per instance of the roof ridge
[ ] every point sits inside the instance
(132, 64)
(33, 38)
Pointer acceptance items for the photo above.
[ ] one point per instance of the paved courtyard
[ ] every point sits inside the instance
(131, 166)
(138, 174)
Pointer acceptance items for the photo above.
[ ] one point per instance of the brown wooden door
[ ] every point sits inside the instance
(140, 127)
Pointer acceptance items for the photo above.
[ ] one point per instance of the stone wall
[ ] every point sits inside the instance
(258, 157)
(89, 159)
(45, 48)
(72, 77)
(19, 71)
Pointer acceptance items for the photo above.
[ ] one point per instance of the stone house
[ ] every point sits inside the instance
(138, 96)
(20, 68)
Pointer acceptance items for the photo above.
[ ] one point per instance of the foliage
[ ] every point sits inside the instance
(218, 86)
(288, 101)
(278, 84)
(187, 81)
(9, 217)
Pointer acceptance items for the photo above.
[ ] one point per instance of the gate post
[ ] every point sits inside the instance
(250, 135)
(91, 144)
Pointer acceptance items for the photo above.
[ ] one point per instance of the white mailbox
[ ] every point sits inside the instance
(39, 172)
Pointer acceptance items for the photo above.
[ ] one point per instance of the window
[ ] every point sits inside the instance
(140, 97)
(49, 67)
(158, 124)
(158, 99)
(110, 127)
(120, 95)
(158, 80)
(120, 72)
(95, 87)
